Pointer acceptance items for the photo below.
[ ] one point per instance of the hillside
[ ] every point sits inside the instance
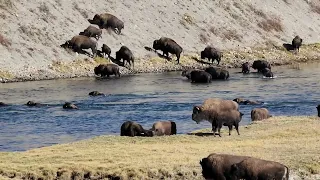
(31, 32)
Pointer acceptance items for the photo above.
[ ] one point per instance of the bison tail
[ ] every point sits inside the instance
(173, 128)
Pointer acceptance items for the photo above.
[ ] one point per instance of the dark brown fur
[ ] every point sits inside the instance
(92, 31)
(80, 42)
(212, 53)
(218, 73)
(245, 68)
(260, 65)
(318, 108)
(106, 21)
(107, 70)
(199, 76)
(68, 105)
(258, 169)
(125, 54)
(106, 50)
(168, 45)
(130, 128)
(218, 166)
(296, 43)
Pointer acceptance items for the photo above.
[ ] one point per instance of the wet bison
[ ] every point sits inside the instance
(167, 45)
(69, 105)
(92, 31)
(246, 102)
(253, 168)
(245, 68)
(296, 43)
(212, 54)
(130, 128)
(218, 166)
(107, 70)
(106, 21)
(200, 77)
(259, 65)
(96, 93)
(267, 72)
(2, 104)
(33, 104)
(161, 128)
(258, 114)
(126, 55)
(218, 73)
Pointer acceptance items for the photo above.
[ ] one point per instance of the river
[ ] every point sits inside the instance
(144, 98)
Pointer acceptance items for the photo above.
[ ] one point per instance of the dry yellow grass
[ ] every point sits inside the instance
(294, 141)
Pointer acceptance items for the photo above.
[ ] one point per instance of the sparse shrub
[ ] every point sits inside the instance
(188, 19)
(4, 41)
(204, 37)
(81, 11)
(256, 11)
(6, 4)
(44, 8)
(213, 30)
(232, 35)
(272, 24)
(286, 1)
(315, 8)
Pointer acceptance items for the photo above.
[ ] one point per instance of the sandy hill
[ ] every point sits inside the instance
(31, 32)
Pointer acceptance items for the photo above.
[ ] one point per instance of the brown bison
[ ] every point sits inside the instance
(211, 53)
(199, 76)
(296, 43)
(253, 168)
(258, 114)
(218, 166)
(92, 31)
(68, 105)
(33, 104)
(106, 50)
(245, 68)
(161, 128)
(246, 102)
(80, 42)
(107, 70)
(267, 72)
(168, 45)
(259, 65)
(318, 108)
(125, 54)
(218, 73)
(96, 93)
(2, 104)
(130, 128)
(106, 21)
(187, 73)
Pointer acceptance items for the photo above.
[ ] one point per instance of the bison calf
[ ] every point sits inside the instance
(218, 166)
(258, 114)
(211, 53)
(130, 128)
(253, 168)
(161, 128)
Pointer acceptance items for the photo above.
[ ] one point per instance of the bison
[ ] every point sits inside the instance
(168, 45)
(217, 73)
(267, 72)
(253, 168)
(211, 53)
(187, 73)
(96, 93)
(296, 43)
(2, 104)
(218, 166)
(245, 68)
(200, 77)
(106, 21)
(33, 104)
(106, 50)
(125, 54)
(318, 108)
(259, 65)
(161, 128)
(246, 102)
(258, 114)
(107, 70)
(92, 31)
(212, 105)
(80, 42)
(69, 105)
(130, 128)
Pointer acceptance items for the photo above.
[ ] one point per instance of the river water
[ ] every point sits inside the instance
(144, 98)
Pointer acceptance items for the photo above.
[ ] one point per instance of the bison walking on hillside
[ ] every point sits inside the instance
(212, 54)
(92, 31)
(168, 45)
(80, 42)
(106, 21)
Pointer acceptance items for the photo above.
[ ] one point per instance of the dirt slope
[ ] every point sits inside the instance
(31, 31)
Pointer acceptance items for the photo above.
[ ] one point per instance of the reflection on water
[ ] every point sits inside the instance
(144, 98)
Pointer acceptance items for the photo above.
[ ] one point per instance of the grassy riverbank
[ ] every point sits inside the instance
(293, 141)
(276, 55)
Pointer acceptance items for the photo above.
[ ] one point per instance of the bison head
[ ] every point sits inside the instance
(206, 168)
(238, 100)
(98, 70)
(156, 45)
(96, 20)
(236, 172)
(202, 55)
(198, 114)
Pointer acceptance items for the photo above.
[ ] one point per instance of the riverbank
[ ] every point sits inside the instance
(276, 55)
(293, 141)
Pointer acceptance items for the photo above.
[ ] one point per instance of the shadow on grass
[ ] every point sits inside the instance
(160, 55)
(201, 134)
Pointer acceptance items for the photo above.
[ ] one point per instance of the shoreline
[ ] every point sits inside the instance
(173, 157)
(276, 55)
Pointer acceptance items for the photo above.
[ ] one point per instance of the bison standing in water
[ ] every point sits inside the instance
(253, 168)
(106, 21)
(218, 73)
(218, 166)
(245, 68)
(167, 45)
(211, 53)
(260, 65)
(200, 77)
(107, 70)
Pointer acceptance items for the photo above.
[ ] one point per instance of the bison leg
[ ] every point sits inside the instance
(230, 129)
(237, 128)
(214, 129)
(178, 58)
